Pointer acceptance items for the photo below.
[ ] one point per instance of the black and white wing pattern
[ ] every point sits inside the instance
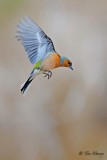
(36, 43)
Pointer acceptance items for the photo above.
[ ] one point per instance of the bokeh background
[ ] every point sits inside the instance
(67, 114)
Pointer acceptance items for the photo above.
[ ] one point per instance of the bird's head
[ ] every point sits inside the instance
(65, 62)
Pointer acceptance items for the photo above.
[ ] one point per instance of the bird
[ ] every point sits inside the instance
(40, 51)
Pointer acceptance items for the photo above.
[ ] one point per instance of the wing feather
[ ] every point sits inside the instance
(36, 43)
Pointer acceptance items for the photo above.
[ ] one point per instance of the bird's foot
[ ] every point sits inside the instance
(49, 74)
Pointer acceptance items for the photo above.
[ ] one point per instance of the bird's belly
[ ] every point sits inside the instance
(47, 66)
(51, 62)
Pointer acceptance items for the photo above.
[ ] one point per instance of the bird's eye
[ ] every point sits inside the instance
(70, 63)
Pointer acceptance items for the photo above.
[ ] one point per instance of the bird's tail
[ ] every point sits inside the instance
(25, 86)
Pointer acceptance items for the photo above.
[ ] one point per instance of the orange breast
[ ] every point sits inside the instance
(51, 62)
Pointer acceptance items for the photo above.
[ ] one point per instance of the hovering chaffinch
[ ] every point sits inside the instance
(40, 51)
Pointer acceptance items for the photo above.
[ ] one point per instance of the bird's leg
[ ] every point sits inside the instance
(49, 74)
(46, 74)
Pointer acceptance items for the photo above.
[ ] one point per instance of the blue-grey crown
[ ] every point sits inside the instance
(62, 59)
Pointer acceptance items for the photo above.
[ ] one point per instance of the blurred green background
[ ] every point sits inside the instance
(67, 114)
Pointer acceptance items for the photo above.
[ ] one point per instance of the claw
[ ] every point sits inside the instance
(49, 74)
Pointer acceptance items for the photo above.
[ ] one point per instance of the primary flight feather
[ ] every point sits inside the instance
(40, 51)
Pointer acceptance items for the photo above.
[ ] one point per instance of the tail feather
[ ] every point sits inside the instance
(25, 85)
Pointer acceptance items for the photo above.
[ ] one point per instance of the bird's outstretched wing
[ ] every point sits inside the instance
(36, 43)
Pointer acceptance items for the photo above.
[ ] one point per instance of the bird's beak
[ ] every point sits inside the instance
(71, 67)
